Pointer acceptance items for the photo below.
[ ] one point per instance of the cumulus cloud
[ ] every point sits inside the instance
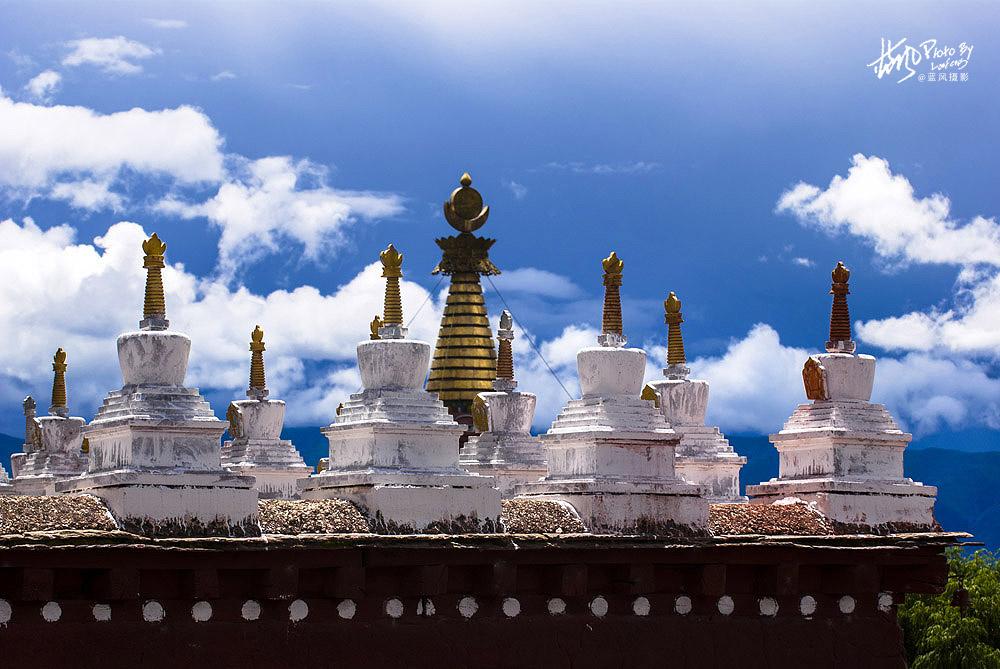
(277, 198)
(44, 146)
(113, 55)
(882, 208)
(56, 291)
(44, 85)
(87, 194)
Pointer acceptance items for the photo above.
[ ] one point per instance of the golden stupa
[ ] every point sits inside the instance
(464, 361)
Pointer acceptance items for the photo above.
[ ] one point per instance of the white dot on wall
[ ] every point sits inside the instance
(5, 612)
(556, 606)
(394, 608)
(726, 605)
(51, 612)
(101, 613)
(467, 606)
(599, 606)
(768, 606)
(682, 605)
(250, 610)
(807, 605)
(640, 606)
(846, 604)
(201, 611)
(885, 602)
(298, 610)
(152, 611)
(511, 607)
(346, 609)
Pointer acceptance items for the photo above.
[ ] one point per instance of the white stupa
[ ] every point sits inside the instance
(704, 455)
(841, 451)
(505, 448)
(394, 446)
(255, 447)
(611, 454)
(53, 444)
(155, 444)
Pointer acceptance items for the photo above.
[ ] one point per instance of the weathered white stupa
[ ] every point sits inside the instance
(255, 447)
(611, 454)
(704, 455)
(504, 447)
(842, 452)
(155, 444)
(53, 444)
(394, 446)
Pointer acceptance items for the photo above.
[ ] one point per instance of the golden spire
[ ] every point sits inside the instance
(464, 363)
(59, 406)
(840, 317)
(505, 358)
(154, 310)
(611, 323)
(676, 360)
(258, 384)
(392, 311)
(375, 325)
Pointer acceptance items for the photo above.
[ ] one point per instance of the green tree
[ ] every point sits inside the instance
(961, 627)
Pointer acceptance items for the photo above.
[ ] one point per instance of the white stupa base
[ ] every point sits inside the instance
(720, 477)
(510, 458)
(401, 502)
(275, 465)
(858, 506)
(623, 507)
(174, 503)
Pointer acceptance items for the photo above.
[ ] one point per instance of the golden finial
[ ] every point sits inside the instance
(59, 405)
(464, 210)
(840, 318)
(480, 416)
(258, 383)
(85, 446)
(505, 356)
(392, 312)
(154, 310)
(649, 393)
(676, 360)
(611, 323)
(375, 325)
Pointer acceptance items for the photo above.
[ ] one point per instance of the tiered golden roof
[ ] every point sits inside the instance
(464, 359)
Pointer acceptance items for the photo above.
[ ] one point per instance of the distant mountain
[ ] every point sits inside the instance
(967, 499)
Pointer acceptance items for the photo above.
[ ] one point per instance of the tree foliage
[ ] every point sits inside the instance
(961, 627)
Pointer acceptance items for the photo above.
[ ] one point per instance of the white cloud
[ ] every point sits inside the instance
(43, 146)
(267, 204)
(537, 282)
(44, 85)
(518, 190)
(113, 55)
(223, 75)
(803, 262)
(55, 291)
(87, 194)
(166, 24)
(576, 167)
(882, 208)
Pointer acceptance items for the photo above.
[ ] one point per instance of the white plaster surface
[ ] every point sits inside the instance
(393, 363)
(259, 451)
(848, 376)
(726, 605)
(394, 608)
(607, 371)
(201, 612)
(846, 604)
(153, 357)
(261, 419)
(346, 609)
(59, 457)
(511, 607)
(768, 606)
(683, 401)
(51, 612)
(152, 611)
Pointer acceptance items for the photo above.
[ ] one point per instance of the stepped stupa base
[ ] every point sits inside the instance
(511, 459)
(174, 504)
(864, 507)
(400, 502)
(625, 507)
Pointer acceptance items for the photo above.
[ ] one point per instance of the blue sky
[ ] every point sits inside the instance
(277, 148)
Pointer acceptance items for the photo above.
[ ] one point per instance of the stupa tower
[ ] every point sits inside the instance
(464, 363)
